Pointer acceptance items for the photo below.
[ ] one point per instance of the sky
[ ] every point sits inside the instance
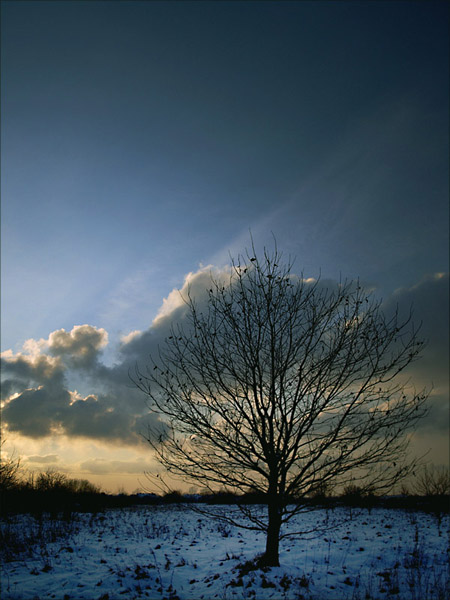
(142, 142)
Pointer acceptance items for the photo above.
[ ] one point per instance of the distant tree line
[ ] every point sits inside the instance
(56, 493)
(48, 491)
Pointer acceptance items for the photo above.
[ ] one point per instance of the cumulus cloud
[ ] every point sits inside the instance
(39, 403)
(45, 362)
(81, 345)
(48, 410)
(126, 339)
(22, 370)
(107, 418)
(174, 309)
(194, 286)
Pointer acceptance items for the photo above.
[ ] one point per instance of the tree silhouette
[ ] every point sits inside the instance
(282, 386)
(433, 481)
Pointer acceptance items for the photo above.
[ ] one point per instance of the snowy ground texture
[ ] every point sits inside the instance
(174, 553)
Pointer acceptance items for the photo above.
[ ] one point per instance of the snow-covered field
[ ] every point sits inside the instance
(172, 552)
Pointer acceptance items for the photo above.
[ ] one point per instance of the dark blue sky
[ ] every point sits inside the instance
(142, 140)
(150, 136)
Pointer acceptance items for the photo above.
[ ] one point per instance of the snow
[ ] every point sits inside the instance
(172, 552)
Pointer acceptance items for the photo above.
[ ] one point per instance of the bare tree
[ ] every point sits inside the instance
(9, 471)
(433, 481)
(283, 386)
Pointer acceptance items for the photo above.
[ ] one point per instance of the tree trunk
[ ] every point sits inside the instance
(271, 555)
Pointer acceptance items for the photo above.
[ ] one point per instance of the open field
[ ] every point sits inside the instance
(173, 552)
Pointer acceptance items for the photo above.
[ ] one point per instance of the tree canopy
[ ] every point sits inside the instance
(283, 385)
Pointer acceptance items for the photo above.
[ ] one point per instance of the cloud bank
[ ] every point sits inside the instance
(38, 400)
